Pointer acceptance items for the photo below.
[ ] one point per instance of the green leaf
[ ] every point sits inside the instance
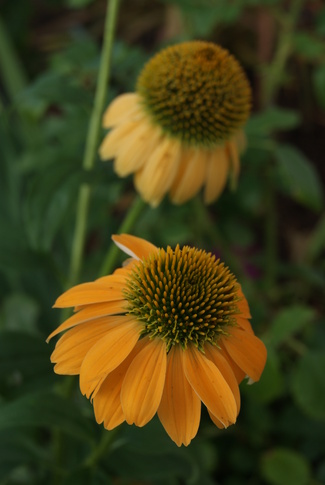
(48, 410)
(288, 322)
(316, 244)
(19, 312)
(308, 385)
(319, 84)
(284, 466)
(271, 385)
(272, 120)
(299, 177)
(308, 46)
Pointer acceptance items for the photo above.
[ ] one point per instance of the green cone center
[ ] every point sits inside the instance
(183, 296)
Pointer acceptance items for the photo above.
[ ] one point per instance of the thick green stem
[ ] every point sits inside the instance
(127, 224)
(92, 142)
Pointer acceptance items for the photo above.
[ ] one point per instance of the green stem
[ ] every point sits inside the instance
(92, 142)
(127, 224)
(271, 87)
(102, 448)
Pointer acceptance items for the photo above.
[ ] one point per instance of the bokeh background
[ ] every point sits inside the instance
(271, 233)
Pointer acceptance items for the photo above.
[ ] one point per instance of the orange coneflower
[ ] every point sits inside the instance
(182, 129)
(165, 332)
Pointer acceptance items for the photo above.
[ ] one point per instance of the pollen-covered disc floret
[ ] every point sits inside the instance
(197, 92)
(183, 296)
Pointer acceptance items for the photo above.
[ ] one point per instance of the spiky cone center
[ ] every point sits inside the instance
(196, 92)
(183, 296)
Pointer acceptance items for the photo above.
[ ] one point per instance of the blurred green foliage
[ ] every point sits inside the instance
(271, 232)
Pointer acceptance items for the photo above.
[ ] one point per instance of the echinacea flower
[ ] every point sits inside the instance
(164, 333)
(182, 129)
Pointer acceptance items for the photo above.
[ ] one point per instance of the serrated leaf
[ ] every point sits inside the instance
(288, 322)
(308, 385)
(299, 177)
(283, 466)
(46, 409)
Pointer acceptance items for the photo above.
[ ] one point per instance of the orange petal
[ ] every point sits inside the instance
(215, 355)
(190, 177)
(238, 372)
(216, 421)
(134, 246)
(180, 408)
(209, 384)
(121, 109)
(243, 305)
(232, 150)
(88, 293)
(108, 353)
(144, 382)
(90, 312)
(248, 351)
(73, 346)
(107, 401)
(216, 174)
(244, 324)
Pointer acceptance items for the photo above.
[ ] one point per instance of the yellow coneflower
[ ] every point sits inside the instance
(182, 129)
(161, 335)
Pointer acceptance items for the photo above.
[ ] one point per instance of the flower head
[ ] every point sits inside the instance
(182, 129)
(164, 333)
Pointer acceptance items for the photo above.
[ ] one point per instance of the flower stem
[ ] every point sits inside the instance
(92, 142)
(127, 224)
(102, 448)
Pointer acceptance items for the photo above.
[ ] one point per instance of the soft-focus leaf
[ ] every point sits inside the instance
(283, 466)
(271, 385)
(319, 84)
(288, 322)
(271, 120)
(299, 177)
(316, 244)
(47, 410)
(308, 384)
(19, 312)
(308, 46)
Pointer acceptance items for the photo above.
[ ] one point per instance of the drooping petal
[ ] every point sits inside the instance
(90, 312)
(116, 138)
(216, 421)
(244, 323)
(157, 175)
(190, 177)
(134, 246)
(108, 353)
(133, 155)
(121, 109)
(216, 174)
(180, 408)
(238, 372)
(144, 382)
(73, 346)
(248, 351)
(209, 384)
(107, 401)
(87, 293)
(215, 355)
(242, 304)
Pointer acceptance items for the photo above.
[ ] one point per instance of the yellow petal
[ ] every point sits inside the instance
(216, 421)
(209, 384)
(137, 149)
(134, 246)
(90, 312)
(143, 384)
(248, 351)
(180, 408)
(107, 401)
(216, 174)
(157, 175)
(215, 355)
(115, 139)
(108, 353)
(87, 293)
(73, 346)
(121, 109)
(190, 177)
